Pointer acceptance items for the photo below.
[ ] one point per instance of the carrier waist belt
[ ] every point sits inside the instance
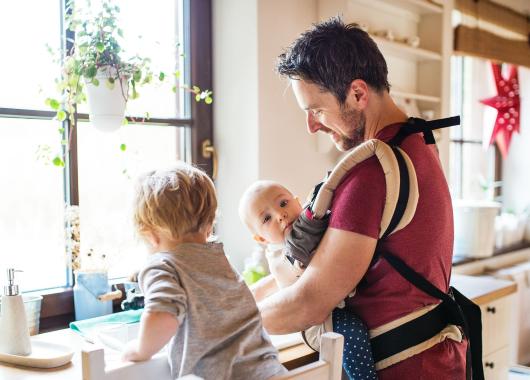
(399, 341)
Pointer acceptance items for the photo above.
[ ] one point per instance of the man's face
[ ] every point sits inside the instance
(344, 124)
(271, 211)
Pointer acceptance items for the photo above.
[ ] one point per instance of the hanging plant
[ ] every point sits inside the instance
(95, 70)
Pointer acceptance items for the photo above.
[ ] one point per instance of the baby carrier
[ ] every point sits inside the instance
(455, 316)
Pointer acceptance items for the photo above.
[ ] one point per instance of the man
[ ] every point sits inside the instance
(339, 78)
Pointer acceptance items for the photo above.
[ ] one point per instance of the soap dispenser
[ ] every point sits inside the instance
(14, 333)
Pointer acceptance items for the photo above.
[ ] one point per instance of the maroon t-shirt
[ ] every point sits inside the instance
(426, 245)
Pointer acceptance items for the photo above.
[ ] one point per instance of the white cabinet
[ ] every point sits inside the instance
(496, 299)
(496, 331)
(496, 365)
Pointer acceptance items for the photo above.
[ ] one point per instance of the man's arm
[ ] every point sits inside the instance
(341, 260)
(156, 329)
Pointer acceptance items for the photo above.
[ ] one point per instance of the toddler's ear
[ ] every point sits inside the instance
(151, 237)
(259, 239)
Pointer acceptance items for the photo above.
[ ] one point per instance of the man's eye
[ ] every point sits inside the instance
(266, 219)
(283, 203)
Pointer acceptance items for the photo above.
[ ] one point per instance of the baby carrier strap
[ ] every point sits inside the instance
(454, 308)
(399, 174)
(417, 125)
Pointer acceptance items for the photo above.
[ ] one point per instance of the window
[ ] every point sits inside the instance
(98, 176)
(474, 164)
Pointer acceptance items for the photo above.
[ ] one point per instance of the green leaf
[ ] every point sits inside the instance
(148, 78)
(196, 89)
(125, 121)
(109, 83)
(161, 76)
(95, 81)
(137, 76)
(174, 88)
(120, 32)
(100, 47)
(198, 98)
(91, 71)
(64, 142)
(61, 115)
(53, 103)
(123, 147)
(208, 100)
(177, 74)
(60, 130)
(58, 161)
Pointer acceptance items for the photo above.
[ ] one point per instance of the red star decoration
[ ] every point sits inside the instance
(507, 104)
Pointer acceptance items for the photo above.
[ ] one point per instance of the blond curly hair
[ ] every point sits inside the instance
(176, 201)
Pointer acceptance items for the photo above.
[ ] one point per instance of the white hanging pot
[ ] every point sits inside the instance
(106, 104)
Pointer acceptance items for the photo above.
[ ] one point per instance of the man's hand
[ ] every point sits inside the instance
(156, 329)
(340, 262)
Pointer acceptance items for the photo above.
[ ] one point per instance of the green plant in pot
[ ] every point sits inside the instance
(97, 70)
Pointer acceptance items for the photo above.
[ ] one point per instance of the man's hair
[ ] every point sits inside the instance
(177, 201)
(331, 55)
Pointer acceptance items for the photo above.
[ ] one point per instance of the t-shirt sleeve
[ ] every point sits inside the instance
(359, 200)
(162, 289)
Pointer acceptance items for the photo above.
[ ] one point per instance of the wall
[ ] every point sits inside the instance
(516, 175)
(259, 129)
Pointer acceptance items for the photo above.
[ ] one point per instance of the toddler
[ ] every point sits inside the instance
(269, 210)
(193, 297)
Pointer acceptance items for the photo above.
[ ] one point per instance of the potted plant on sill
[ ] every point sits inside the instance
(95, 70)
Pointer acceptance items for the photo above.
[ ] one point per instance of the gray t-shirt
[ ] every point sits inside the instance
(220, 334)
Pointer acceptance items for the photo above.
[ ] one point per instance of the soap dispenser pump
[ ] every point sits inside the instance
(14, 332)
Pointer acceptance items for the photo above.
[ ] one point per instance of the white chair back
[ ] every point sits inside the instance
(328, 367)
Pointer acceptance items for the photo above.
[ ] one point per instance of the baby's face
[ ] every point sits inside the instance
(271, 212)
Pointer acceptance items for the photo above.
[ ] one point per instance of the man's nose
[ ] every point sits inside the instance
(312, 125)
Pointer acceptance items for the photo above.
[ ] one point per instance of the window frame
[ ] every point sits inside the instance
(57, 308)
(460, 142)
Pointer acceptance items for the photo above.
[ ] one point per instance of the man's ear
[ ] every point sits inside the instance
(259, 239)
(359, 94)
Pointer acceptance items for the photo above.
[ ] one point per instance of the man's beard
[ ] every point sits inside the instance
(357, 121)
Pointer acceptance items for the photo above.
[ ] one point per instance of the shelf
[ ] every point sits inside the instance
(406, 51)
(411, 95)
(420, 7)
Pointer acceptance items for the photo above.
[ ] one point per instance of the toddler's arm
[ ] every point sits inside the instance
(156, 329)
(264, 288)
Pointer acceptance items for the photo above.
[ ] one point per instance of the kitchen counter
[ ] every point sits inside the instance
(291, 357)
(481, 290)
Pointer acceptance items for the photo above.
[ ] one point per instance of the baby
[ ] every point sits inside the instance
(269, 210)
(193, 297)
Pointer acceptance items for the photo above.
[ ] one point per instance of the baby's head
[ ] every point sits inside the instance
(175, 202)
(268, 209)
